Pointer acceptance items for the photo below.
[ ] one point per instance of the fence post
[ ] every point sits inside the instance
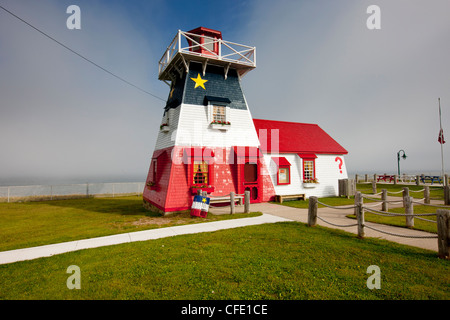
(447, 195)
(87, 189)
(312, 211)
(359, 214)
(405, 194)
(8, 194)
(409, 212)
(426, 194)
(374, 186)
(247, 201)
(384, 205)
(443, 227)
(366, 178)
(395, 179)
(445, 179)
(417, 180)
(232, 209)
(356, 178)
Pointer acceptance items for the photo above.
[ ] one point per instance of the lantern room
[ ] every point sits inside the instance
(204, 46)
(204, 41)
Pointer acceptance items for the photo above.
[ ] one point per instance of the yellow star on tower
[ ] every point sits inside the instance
(199, 82)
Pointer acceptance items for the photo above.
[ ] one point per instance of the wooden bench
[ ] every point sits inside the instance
(226, 199)
(281, 198)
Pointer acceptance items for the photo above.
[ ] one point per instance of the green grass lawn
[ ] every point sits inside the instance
(272, 261)
(30, 224)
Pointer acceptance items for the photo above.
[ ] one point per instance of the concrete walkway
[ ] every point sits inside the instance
(53, 249)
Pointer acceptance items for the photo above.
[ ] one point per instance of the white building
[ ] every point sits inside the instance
(302, 158)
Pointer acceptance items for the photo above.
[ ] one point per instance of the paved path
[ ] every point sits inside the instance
(52, 249)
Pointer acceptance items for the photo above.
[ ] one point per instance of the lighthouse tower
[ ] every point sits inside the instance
(207, 139)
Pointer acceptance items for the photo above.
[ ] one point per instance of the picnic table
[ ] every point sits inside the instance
(432, 178)
(385, 177)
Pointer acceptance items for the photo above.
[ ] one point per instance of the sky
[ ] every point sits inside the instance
(375, 91)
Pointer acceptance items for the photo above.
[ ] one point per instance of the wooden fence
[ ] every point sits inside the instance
(442, 218)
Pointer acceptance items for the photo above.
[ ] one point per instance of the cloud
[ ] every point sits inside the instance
(63, 117)
(374, 91)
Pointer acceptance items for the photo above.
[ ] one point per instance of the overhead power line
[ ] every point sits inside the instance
(80, 55)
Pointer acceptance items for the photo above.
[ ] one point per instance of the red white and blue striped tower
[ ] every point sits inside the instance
(207, 139)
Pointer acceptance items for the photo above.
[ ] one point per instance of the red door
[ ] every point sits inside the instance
(250, 180)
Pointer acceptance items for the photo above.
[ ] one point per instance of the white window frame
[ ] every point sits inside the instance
(211, 116)
(311, 170)
(224, 108)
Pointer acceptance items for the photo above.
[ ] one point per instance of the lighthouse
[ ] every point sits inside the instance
(207, 138)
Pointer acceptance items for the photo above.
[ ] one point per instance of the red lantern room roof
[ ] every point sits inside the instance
(207, 32)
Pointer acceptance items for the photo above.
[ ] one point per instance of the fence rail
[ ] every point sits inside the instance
(64, 191)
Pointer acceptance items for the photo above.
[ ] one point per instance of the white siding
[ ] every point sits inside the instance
(327, 172)
(194, 128)
(167, 139)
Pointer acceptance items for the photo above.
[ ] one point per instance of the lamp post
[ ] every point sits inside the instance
(398, 160)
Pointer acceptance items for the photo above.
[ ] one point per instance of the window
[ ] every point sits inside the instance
(219, 114)
(284, 175)
(194, 45)
(208, 43)
(200, 175)
(308, 170)
(284, 170)
(155, 164)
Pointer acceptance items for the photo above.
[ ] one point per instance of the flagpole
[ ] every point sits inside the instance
(442, 144)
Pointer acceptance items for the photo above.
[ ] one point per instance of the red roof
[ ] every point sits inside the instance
(207, 32)
(296, 138)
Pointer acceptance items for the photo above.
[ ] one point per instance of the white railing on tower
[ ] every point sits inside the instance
(227, 51)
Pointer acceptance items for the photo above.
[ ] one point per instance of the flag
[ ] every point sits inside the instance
(441, 137)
